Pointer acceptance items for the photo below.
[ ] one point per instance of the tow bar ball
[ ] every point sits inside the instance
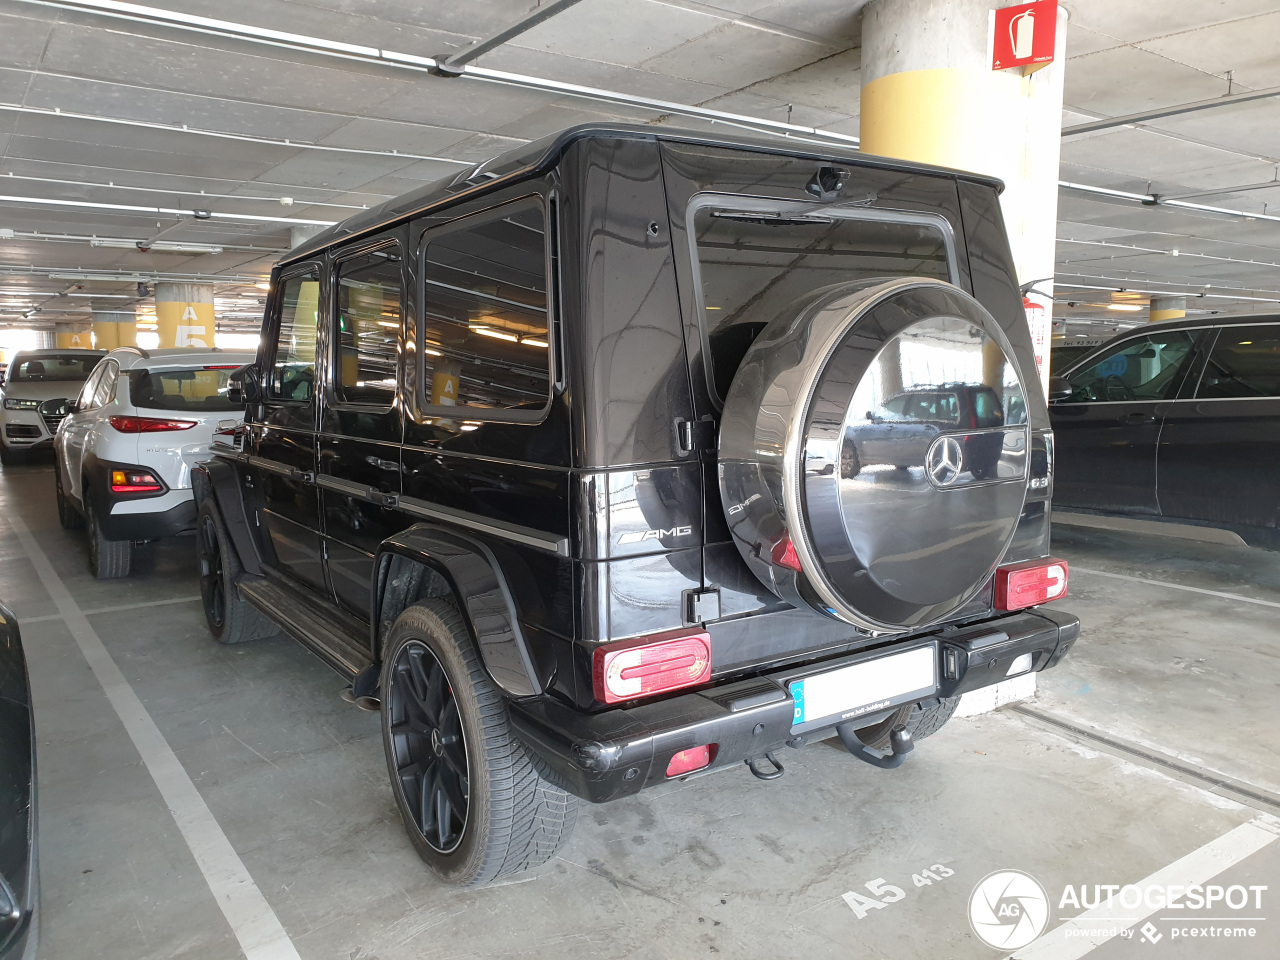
(899, 746)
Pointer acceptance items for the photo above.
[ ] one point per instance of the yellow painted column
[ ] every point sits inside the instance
(184, 314)
(929, 94)
(113, 329)
(1167, 308)
(73, 336)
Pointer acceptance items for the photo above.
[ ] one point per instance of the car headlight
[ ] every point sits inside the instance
(12, 403)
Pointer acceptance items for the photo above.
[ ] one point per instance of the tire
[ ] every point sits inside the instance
(231, 619)
(68, 516)
(511, 818)
(922, 719)
(108, 559)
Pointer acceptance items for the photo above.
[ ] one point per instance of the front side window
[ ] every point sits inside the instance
(85, 400)
(485, 335)
(1147, 368)
(368, 313)
(755, 264)
(293, 372)
(196, 389)
(1245, 362)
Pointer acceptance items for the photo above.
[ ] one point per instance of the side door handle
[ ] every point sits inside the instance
(383, 464)
(1138, 417)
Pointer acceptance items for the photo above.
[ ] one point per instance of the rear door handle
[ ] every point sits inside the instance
(1138, 418)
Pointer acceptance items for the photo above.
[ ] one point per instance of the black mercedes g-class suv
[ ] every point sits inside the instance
(546, 460)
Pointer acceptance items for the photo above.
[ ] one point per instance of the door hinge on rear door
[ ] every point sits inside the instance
(696, 435)
(701, 606)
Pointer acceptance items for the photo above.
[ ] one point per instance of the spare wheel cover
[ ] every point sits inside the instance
(876, 439)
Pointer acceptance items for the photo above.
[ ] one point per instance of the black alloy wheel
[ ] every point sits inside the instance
(429, 749)
(212, 591)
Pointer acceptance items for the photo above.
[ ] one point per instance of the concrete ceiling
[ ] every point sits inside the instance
(277, 136)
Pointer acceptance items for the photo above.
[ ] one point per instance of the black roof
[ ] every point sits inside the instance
(540, 155)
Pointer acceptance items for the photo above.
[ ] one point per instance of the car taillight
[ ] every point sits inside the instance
(134, 481)
(1033, 582)
(647, 666)
(149, 424)
(687, 761)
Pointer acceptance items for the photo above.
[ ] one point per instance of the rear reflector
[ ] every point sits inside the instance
(687, 761)
(784, 554)
(149, 424)
(647, 666)
(1027, 584)
(134, 481)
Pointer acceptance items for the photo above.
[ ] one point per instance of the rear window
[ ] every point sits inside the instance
(198, 389)
(52, 369)
(757, 258)
(1245, 362)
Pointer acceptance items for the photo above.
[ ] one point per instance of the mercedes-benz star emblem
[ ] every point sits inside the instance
(944, 461)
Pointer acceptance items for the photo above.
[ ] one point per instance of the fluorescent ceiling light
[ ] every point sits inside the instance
(1128, 307)
(163, 211)
(534, 343)
(496, 334)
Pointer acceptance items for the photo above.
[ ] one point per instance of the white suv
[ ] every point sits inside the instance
(124, 450)
(33, 377)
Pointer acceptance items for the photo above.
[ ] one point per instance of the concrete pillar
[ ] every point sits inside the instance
(1167, 308)
(114, 328)
(184, 314)
(300, 235)
(73, 336)
(929, 94)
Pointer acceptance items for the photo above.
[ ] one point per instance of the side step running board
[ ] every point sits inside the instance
(308, 623)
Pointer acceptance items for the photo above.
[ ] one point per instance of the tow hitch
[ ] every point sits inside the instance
(899, 744)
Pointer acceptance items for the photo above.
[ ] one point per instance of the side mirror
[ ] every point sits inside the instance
(245, 384)
(58, 408)
(1059, 389)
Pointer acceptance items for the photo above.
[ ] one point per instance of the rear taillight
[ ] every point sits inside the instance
(134, 481)
(149, 424)
(784, 554)
(1026, 584)
(647, 666)
(687, 761)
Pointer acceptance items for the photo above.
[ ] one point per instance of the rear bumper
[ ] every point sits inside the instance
(615, 753)
(150, 526)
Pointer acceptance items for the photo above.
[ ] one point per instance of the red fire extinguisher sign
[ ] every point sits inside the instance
(1025, 35)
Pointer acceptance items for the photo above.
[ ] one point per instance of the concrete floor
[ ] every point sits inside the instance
(1180, 684)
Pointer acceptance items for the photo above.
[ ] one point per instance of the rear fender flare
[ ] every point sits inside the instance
(468, 570)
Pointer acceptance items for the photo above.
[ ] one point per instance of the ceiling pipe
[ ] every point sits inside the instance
(448, 64)
(198, 213)
(1155, 200)
(1108, 123)
(286, 201)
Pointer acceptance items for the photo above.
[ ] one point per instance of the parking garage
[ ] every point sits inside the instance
(481, 482)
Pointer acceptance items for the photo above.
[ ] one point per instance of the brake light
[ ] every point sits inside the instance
(221, 366)
(134, 481)
(687, 761)
(1027, 584)
(149, 424)
(647, 666)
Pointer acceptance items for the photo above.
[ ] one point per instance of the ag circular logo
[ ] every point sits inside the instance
(1008, 909)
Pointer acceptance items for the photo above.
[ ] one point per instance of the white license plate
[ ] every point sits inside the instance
(866, 687)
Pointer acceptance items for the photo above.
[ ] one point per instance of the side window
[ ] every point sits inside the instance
(293, 372)
(484, 341)
(1245, 362)
(85, 400)
(1146, 368)
(368, 311)
(106, 387)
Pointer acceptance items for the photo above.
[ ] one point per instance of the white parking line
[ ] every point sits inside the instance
(254, 923)
(1103, 923)
(124, 606)
(1174, 586)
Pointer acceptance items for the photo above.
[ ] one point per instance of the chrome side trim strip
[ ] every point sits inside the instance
(272, 466)
(498, 528)
(348, 487)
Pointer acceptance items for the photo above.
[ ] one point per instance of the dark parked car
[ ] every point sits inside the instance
(1179, 420)
(525, 461)
(900, 432)
(19, 880)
